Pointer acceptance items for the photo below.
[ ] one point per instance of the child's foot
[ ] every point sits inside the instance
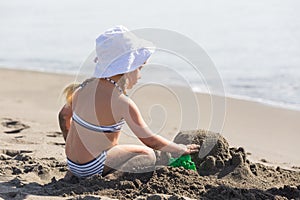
(114, 175)
(68, 177)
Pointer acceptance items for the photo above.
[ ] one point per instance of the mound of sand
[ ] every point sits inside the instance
(222, 173)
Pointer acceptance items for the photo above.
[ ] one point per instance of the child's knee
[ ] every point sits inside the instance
(150, 154)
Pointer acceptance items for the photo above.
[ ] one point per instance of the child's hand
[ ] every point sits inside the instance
(186, 150)
(191, 148)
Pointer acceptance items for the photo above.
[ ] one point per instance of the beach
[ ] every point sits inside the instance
(32, 146)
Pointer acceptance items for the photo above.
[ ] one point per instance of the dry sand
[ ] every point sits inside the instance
(32, 156)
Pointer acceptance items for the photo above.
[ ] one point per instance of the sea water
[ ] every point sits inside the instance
(255, 45)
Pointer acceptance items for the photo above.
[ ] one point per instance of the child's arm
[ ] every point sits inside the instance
(139, 127)
(64, 118)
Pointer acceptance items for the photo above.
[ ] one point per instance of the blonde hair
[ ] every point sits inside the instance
(123, 83)
(68, 92)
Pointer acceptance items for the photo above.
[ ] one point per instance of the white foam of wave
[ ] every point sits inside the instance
(257, 100)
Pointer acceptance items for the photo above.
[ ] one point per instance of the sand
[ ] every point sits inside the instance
(257, 154)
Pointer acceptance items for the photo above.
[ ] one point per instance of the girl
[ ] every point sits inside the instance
(95, 111)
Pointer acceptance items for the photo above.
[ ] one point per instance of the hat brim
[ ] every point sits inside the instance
(125, 63)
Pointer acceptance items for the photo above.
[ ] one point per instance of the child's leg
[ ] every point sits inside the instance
(129, 158)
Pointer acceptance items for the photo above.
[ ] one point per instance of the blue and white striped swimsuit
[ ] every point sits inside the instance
(96, 165)
(88, 169)
(104, 129)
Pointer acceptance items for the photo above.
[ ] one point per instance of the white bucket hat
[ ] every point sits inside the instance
(119, 51)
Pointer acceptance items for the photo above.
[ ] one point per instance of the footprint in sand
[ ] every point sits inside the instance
(6, 154)
(54, 134)
(11, 126)
(57, 143)
(12, 152)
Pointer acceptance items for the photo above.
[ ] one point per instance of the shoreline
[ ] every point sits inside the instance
(266, 102)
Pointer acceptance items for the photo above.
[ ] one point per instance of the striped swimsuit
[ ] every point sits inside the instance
(96, 165)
